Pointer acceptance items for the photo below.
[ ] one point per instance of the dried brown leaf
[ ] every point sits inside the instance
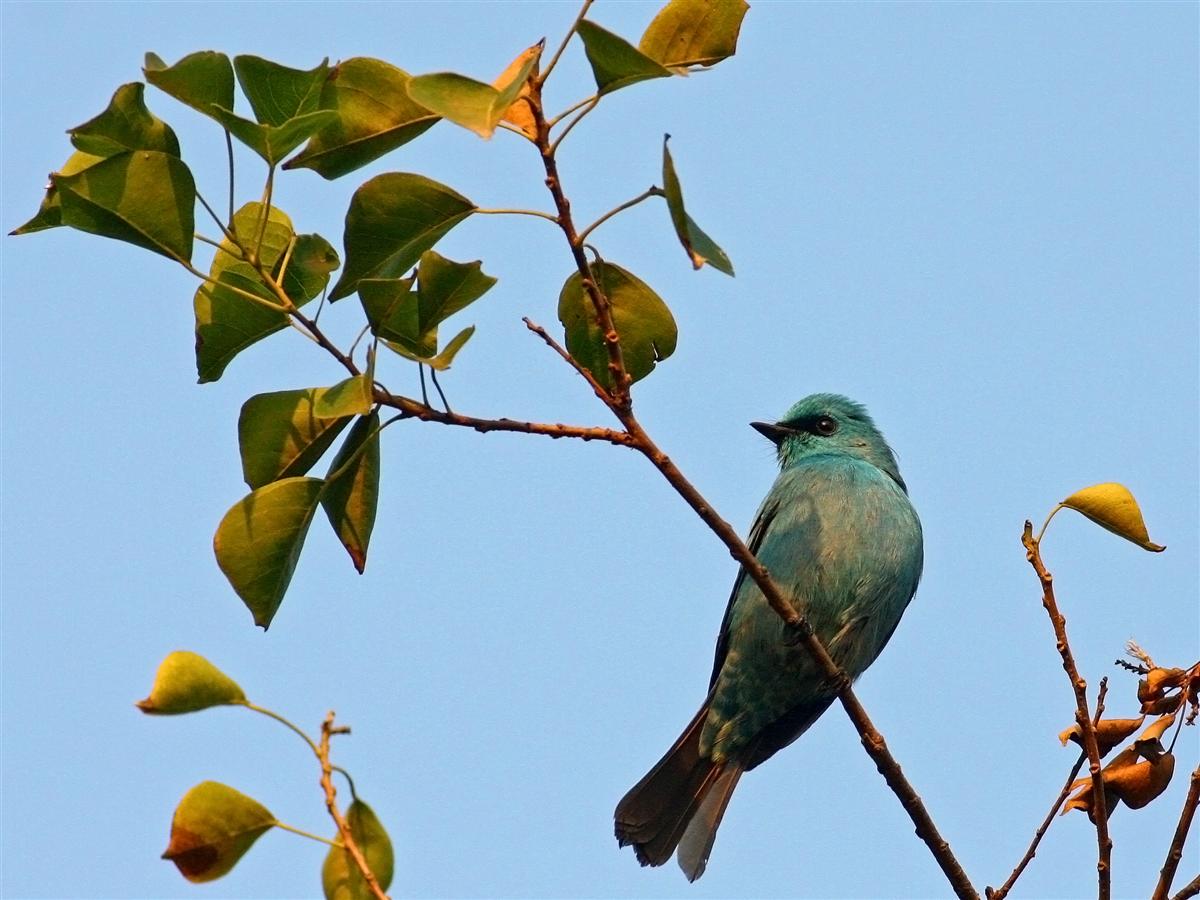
(1109, 733)
(1141, 782)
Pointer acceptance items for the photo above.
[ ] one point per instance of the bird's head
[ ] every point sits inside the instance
(829, 424)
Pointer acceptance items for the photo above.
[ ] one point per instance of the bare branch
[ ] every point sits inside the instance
(328, 729)
(1167, 874)
(1082, 717)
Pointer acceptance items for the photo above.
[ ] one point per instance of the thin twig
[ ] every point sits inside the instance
(567, 357)
(1082, 717)
(541, 79)
(1001, 892)
(1167, 873)
(351, 846)
(652, 191)
(414, 410)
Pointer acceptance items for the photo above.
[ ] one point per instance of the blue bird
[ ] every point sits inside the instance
(839, 536)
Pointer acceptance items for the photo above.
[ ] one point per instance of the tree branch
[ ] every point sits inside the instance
(348, 842)
(1082, 717)
(1191, 889)
(620, 403)
(1175, 853)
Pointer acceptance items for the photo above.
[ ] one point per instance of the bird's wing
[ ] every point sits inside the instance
(762, 524)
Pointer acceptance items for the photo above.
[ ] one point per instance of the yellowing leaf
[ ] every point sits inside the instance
(470, 103)
(213, 827)
(187, 682)
(520, 113)
(1113, 507)
(694, 32)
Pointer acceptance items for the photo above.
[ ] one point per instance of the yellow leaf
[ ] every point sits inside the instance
(1113, 507)
(520, 113)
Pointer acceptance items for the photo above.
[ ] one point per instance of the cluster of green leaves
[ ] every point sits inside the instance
(127, 181)
(215, 825)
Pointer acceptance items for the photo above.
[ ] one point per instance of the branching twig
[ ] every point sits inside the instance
(1001, 892)
(351, 847)
(1082, 717)
(1167, 874)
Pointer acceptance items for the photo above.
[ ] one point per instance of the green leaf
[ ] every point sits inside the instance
(213, 827)
(187, 682)
(226, 322)
(699, 246)
(200, 80)
(1113, 507)
(340, 877)
(351, 494)
(49, 214)
(392, 220)
(374, 116)
(259, 540)
(392, 308)
(125, 125)
(351, 397)
(442, 360)
(278, 94)
(143, 197)
(642, 320)
(313, 260)
(472, 104)
(446, 287)
(281, 436)
(274, 142)
(616, 63)
(694, 32)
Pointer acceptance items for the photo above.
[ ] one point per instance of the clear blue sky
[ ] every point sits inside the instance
(978, 219)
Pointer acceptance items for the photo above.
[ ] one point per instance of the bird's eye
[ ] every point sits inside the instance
(826, 426)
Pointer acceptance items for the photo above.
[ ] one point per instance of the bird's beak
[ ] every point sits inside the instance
(773, 433)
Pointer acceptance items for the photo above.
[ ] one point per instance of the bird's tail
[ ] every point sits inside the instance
(679, 803)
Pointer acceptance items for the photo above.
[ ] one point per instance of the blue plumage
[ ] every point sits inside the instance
(839, 536)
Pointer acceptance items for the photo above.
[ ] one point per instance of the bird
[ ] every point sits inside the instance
(840, 537)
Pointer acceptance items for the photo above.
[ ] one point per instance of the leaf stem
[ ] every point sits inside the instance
(229, 156)
(225, 229)
(1082, 717)
(271, 714)
(652, 191)
(313, 837)
(541, 79)
(518, 212)
(587, 108)
(570, 109)
(1038, 540)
